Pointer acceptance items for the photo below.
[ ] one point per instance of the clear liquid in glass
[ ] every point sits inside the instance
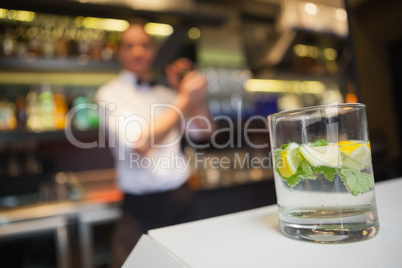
(324, 211)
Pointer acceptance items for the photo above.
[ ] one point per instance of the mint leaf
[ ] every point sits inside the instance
(284, 146)
(356, 182)
(306, 171)
(293, 180)
(321, 142)
(328, 172)
(303, 171)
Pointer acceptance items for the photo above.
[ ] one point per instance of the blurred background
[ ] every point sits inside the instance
(58, 203)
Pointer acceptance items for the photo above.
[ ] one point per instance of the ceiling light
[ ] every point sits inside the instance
(18, 15)
(194, 33)
(341, 14)
(158, 29)
(100, 23)
(330, 54)
(310, 8)
(284, 86)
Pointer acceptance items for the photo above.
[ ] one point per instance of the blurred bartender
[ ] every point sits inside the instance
(145, 120)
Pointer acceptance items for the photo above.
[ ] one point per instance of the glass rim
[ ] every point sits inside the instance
(317, 107)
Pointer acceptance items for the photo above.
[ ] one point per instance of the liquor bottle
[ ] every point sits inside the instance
(81, 118)
(21, 112)
(47, 108)
(22, 45)
(35, 46)
(14, 168)
(34, 121)
(60, 109)
(9, 43)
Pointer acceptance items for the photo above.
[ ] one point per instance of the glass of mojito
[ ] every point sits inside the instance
(323, 173)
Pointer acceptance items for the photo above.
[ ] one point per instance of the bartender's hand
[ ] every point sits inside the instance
(194, 85)
(176, 71)
(193, 88)
(192, 92)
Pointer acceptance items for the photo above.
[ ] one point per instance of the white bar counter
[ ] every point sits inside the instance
(252, 239)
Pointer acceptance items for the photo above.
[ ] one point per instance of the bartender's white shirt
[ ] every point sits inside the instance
(127, 107)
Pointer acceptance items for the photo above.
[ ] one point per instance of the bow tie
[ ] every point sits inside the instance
(141, 82)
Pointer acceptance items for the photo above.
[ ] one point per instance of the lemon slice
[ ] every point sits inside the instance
(356, 154)
(329, 156)
(289, 160)
(357, 159)
(348, 147)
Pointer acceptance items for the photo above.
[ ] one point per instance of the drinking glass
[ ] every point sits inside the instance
(323, 173)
